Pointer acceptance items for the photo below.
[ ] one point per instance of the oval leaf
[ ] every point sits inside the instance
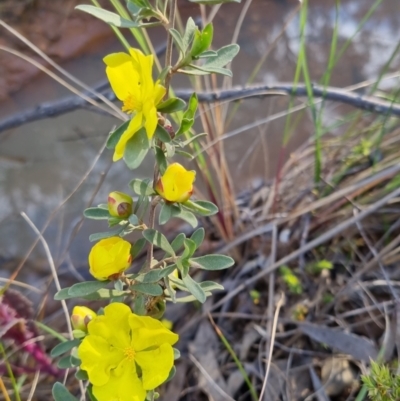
(203, 208)
(107, 16)
(60, 393)
(158, 239)
(86, 288)
(195, 289)
(171, 105)
(96, 213)
(115, 135)
(136, 149)
(64, 347)
(212, 262)
(148, 288)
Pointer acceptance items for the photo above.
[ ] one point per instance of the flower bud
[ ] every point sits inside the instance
(109, 258)
(176, 185)
(119, 204)
(81, 316)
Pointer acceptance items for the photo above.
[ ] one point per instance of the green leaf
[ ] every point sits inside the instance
(133, 219)
(184, 154)
(60, 393)
(132, 7)
(177, 354)
(136, 149)
(86, 288)
(62, 294)
(194, 288)
(165, 213)
(65, 363)
(107, 16)
(96, 213)
(106, 234)
(178, 241)
(189, 33)
(204, 70)
(137, 247)
(113, 221)
(171, 105)
(209, 286)
(225, 55)
(214, 64)
(162, 134)
(158, 239)
(186, 124)
(170, 149)
(115, 135)
(198, 236)
(81, 375)
(171, 374)
(185, 215)
(212, 262)
(140, 3)
(161, 160)
(142, 187)
(203, 208)
(105, 293)
(148, 288)
(177, 39)
(153, 276)
(64, 347)
(188, 116)
(139, 305)
(208, 54)
(190, 248)
(202, 40)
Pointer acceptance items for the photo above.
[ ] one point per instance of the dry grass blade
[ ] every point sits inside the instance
(271, 345)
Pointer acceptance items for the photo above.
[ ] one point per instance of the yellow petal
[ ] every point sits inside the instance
(123, 77)
(177, 183)
(155, 365)
(151, 121)
(97, 359)
(116, 315)
(109, 256)
(159, 93)
(133, 127)
(124, 387)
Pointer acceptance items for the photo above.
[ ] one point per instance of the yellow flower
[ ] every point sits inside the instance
(110, 256)
(81, 316)
(125, 354)
(130, 76)
(176, 185)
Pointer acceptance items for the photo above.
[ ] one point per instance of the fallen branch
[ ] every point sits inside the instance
(368, 103)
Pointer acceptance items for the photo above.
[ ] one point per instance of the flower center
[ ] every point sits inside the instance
(131, 104)
(129, 353)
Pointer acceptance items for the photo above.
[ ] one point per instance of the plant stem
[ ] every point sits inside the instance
(168, 61)
(168, 56)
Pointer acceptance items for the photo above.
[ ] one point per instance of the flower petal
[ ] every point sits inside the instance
(151, 121)
(155, 365)
(116, 315)
(177, 183)
(121, 74)
(133, 127)
(159, 92)
(98, 359)
(124, 387)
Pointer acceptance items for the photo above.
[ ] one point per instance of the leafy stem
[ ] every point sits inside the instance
(168, 57)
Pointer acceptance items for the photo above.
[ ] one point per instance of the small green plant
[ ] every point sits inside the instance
(381, 383)
(291, 280)
(317, 268)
